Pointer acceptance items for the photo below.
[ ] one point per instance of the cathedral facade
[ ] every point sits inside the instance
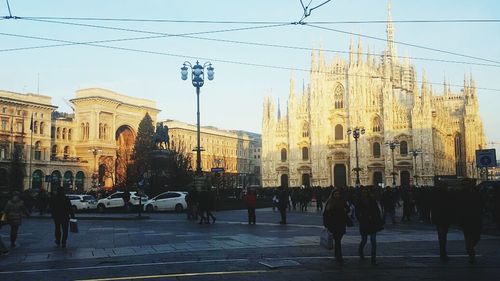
(312, 143)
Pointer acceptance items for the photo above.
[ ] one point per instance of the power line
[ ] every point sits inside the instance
(187, 35)
(403, 43)
(212, 59)
(261, 22)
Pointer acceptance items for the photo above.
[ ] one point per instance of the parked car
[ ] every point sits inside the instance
(82, 202)
(167, 201)
(115, 200)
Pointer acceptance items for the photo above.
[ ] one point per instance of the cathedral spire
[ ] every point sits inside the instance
(292, 86)
(279, 109)
(322, 63)
(314, 62)
(445, 86)
(391, 48)
(351, 52)
(360, 51)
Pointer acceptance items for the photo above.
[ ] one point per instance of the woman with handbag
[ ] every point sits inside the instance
(370, 222)
(335, 220)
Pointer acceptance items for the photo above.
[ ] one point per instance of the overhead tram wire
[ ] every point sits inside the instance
(261, 22)
(189, 35)
(402, 43)
(212, 59)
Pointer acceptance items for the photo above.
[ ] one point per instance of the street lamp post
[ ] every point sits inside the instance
(95, 150)
(392, 145)
(356, 133)
(415, 153)
(198, 79)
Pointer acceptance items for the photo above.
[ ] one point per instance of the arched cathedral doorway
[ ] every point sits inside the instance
(284, 180)
(339, 175)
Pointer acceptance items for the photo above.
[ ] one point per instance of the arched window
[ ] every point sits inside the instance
(82, 131)
(69, 134)
(101, 131)
(38, 150)
(42, 127)
(305, 130)
(35, 127)
(66, 152)
(376, 150)
(53, 152)
(58, 133)
(339, 132)
(403, 148)
(305, 153)
(87, 131)
(64, 133)
(376, 124)
(339, 96)
(283, 155)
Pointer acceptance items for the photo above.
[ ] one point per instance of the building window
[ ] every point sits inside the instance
(53, 152)
(376, 150)
(339, 132)
(283, 155)
(38, 150)
(339, 97)
(35, 127)
(376, 124)
(3, 151)
(66, 152)
(64, 133)
(42, 127)
(58, 133)
(305, 153)
(403, 148)
(20, 127)
(4, 110)
(305, 130)
(4, 124)
(69, 134)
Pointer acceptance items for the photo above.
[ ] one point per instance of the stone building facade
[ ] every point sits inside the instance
(309, 144)
(62, 145)
(238, 152)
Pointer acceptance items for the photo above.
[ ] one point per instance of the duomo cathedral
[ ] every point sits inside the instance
(436, 130)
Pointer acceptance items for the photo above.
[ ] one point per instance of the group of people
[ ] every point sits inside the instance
(201, 204)
(463, 207)
(12, 209)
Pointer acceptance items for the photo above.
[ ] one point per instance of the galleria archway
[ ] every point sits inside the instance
(125, 140)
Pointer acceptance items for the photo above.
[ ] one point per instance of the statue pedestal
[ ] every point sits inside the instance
(161, 170)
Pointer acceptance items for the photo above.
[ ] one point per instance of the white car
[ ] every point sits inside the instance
(167, 201)
(115, 200)
(82, 202)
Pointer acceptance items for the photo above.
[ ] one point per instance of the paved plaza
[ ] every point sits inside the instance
(168, 247)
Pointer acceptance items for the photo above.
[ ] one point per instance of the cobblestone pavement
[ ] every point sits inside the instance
(167, 246)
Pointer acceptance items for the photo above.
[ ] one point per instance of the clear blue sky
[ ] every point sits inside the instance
(234, 99)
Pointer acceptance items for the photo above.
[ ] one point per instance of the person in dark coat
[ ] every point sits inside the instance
(126, 200)
(42, 201)
(282, 204)
(370, 222)
(442, 216)
(61, 213)
(14, 209)
(251, 202)
(210, 206)
(203, 202)
(469, 217)
(408, 204)
(335, 220)
(388, 203)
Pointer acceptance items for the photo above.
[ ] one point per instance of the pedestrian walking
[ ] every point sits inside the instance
(441, 216)
(282, 204)
(388, 203)
(42, 201)
(469, 218)
(210, 206)
(3, 220)
(126, 200)
(408, 204)
(335, 220)
(370, 222)
(61, 213)
(202, 206)
(251, 202)
(14, 211)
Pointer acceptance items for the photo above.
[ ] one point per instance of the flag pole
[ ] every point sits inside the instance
(31, 152)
